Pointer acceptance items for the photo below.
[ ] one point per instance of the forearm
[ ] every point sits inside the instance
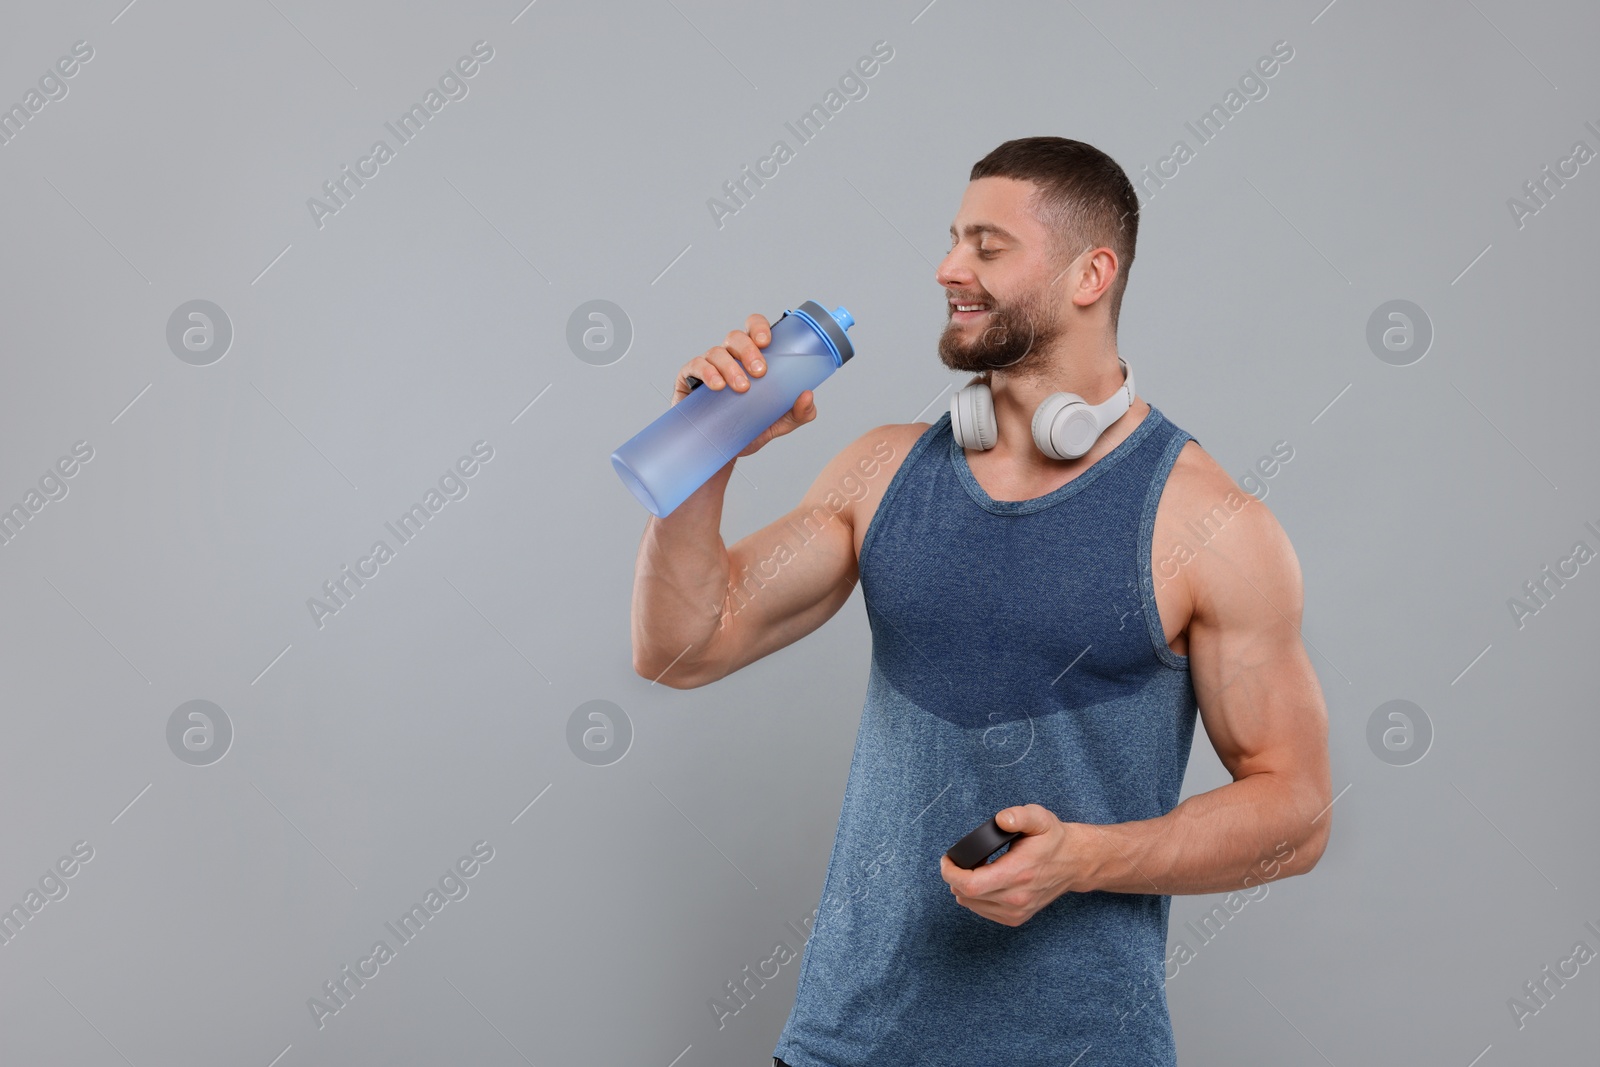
(680, 583)
(1258, 828)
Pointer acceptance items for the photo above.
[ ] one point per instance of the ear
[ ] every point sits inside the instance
(1098, 274)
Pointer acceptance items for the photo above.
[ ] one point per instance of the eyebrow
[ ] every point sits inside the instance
(985, 227)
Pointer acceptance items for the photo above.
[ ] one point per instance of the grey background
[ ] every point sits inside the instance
(431, 311)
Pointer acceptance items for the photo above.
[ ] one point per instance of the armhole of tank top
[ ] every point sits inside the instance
(1147, 530)
(900, 476)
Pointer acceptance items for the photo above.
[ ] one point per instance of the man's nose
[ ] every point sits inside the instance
(951, 272)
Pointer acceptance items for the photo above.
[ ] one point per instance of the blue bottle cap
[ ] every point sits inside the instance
(831, 325)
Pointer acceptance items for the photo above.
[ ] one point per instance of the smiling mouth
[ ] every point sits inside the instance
(965, 312)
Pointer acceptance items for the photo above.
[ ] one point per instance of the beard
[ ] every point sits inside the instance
(1013, 337)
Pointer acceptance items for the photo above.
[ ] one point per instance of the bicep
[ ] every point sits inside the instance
(792, 575)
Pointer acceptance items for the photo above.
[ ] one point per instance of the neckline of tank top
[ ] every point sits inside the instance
(958, 459)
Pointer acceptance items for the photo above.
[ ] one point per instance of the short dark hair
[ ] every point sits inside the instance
(1083, 196)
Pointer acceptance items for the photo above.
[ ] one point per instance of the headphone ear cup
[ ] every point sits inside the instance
(1064, 427)
(972, 418)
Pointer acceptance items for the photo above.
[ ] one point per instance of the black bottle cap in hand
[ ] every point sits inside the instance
(975, 849)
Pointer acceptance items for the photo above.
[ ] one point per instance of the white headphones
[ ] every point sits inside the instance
(1065, 426)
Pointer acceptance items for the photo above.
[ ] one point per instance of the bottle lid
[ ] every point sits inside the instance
(831, 324)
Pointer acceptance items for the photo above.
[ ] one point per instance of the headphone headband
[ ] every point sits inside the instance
(1117, 404)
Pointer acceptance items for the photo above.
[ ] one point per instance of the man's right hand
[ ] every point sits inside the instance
(726, 365)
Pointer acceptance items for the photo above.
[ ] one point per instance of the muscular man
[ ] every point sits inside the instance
(1043, 633)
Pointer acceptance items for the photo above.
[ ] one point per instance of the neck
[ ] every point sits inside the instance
(1091, 371)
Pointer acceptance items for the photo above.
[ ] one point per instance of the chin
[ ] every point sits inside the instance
(980, 359)
(961, 360)
(973, 366)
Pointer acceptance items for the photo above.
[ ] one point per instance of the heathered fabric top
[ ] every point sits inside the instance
(1017, 658)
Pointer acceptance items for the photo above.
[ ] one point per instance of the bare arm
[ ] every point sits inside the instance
(1264, 713)
(702, 610)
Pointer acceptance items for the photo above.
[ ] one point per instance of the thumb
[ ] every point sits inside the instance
(1027, 818)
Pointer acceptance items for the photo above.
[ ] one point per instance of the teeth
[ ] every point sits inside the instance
(969, 307)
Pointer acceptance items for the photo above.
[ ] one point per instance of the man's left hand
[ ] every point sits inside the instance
(1047, 861)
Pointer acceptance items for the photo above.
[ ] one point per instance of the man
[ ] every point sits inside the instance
(1044, 632)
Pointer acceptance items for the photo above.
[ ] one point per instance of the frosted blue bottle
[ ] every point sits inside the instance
(664, 463)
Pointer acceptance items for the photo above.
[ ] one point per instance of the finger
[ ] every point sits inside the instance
(802, 412)
(962, 882)
(729, 367)
(740, 344)
(757, 326)
(702, 370)
(686, 382)
(706, 369)
(1028, 818)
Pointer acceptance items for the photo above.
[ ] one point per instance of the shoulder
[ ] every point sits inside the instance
(1238, 556)
(1196, 474)
(880, 448)
(854, 481)
(891, 442)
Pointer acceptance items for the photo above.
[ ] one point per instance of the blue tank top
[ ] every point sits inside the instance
(1017, 658)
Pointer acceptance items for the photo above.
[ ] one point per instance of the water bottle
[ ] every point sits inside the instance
(664, 463)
